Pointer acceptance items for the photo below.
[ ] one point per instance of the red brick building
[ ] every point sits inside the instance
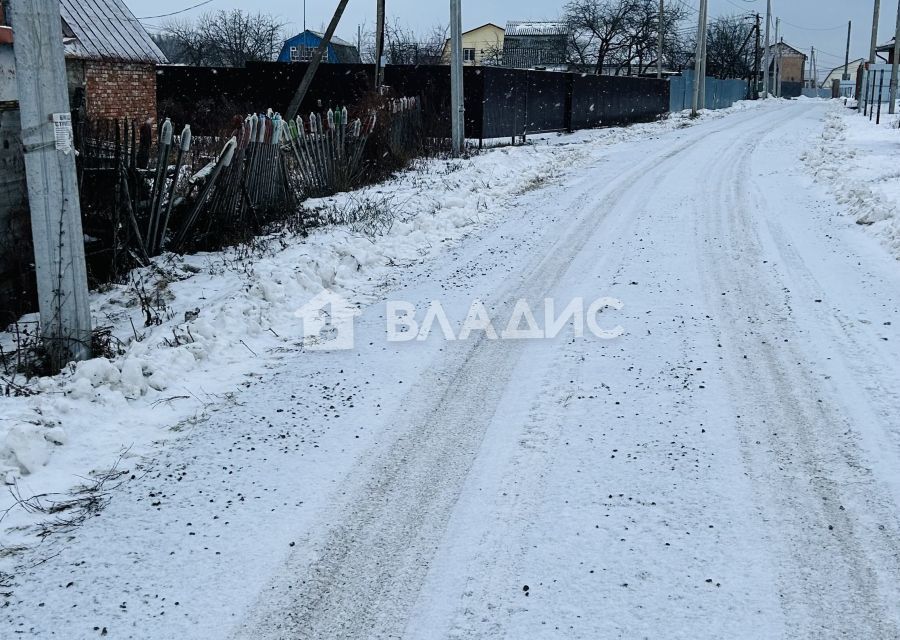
(110, 60)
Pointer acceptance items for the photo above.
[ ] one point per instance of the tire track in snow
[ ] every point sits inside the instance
(813, 488)
(368, 571)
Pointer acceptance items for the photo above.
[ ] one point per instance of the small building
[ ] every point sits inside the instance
(536, 45)
(480, 46)
(111, 72)
(303, 46)
(886, 52)
(838, 73)
(110, 60)
(793, 63)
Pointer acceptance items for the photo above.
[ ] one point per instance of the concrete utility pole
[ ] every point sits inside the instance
(662, 26)
(379, 44)
(777, 74)
(875, 17)
(705, 4)
(755, 92)
(699, 78)
(892, 108)
(297, 100)
(52, 181)
(768, 56)
(457, 108)
(846, 75)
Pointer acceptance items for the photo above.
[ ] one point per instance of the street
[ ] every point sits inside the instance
(728, 467)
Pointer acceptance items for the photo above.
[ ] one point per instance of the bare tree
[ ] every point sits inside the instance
(621, 34)
(730, 47)
(597, 29)
(402, 46)
(223, 38)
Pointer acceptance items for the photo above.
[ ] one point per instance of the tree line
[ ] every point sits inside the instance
(604, 37)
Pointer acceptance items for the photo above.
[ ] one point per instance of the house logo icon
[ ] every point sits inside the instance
(327, 322)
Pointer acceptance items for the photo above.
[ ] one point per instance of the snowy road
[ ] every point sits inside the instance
(729, 468)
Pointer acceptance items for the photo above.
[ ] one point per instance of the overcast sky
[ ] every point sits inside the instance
(806, 23)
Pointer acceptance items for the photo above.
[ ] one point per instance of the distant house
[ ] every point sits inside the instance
(838, 72)
(793, 63)
(303, 46)
(110, 60)
(886, 52)
(536, 45)
(480, 46)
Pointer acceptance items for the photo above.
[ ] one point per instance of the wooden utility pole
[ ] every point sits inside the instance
(457, 102)
(768, 52)
(379, 44)
(659, 49)
(875, 17)
(297, 100)
(52, 182)
(892, 108)
(846, 75)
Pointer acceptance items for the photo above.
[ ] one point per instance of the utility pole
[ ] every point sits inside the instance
(379, 45)
(812, 65)
(703, 56)
(457, 108)
(756, 53)
(777, 74)
(659, 53)
(768, 49)
(846, 75)
(875, 17)
(52, 182)
(297, 100)
(892, 108)
(699, 78)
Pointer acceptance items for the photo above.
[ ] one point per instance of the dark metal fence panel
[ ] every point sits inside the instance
(504, 103)
(206, 95)
(499, 103)
(609, 100)
(545, 101)
(431, 83)
(791, 89)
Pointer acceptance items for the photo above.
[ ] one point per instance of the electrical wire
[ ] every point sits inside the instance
(175, 13)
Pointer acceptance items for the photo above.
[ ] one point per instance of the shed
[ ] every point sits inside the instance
(303, 46)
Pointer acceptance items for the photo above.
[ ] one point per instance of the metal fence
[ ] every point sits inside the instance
(720, 94)
(499, 102)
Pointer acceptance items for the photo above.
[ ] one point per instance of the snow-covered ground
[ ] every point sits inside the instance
(726, 468)
(856, 162)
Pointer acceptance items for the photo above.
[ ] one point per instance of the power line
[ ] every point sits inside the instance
(175, 13)
(843, 26)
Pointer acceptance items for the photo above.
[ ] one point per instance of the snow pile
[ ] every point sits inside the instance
(856, 159)
(193, 328)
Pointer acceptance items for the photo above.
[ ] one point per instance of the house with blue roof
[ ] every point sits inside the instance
(303, 46)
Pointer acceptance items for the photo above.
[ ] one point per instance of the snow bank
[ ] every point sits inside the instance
(857, 161)
(215, 319)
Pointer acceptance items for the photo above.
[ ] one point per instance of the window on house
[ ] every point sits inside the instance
(305, 54)
(468, 55)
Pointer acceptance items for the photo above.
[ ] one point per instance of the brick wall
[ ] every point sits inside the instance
(120, 90)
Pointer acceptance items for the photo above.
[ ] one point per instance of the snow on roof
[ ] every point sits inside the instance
(525, 28)
(334, 39)
(106, 30)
